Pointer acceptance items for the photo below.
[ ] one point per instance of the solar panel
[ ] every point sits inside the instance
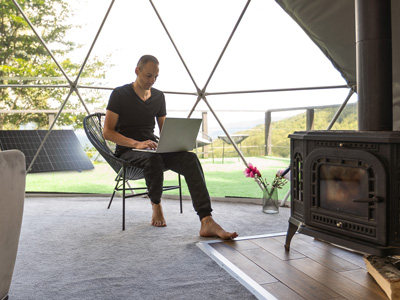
(62, 150)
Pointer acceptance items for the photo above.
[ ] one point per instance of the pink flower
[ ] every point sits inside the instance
(252, 171)
(286, 176)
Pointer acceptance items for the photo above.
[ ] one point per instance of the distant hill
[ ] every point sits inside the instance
(254, 145)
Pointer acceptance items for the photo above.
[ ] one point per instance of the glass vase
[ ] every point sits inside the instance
(270, 201)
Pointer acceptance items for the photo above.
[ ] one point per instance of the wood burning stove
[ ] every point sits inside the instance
(345, 184)
(345, 188)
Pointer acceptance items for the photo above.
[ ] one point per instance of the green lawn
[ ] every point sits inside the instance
(221, 180)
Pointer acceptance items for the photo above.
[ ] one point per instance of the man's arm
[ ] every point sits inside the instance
(110, 134)
(160, 122)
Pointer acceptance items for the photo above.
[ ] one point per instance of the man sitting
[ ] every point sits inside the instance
(130, 120)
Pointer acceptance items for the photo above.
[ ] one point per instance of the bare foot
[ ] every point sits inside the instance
(157, 219)
(210, 228)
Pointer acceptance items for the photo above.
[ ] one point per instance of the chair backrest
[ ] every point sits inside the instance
(93, 125)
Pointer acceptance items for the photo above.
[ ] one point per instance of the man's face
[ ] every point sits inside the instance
(147, 76)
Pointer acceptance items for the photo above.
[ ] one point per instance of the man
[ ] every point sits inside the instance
(130, 121)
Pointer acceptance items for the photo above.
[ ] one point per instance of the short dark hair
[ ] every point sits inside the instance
(145, 59)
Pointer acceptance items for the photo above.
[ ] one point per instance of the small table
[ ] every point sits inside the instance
(236, 138)
(204, 141)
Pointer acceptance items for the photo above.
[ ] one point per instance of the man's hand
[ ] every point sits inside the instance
(149, 144)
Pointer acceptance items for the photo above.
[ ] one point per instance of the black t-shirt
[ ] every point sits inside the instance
(136, 117)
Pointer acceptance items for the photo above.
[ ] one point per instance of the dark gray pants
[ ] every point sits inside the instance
(184, 163)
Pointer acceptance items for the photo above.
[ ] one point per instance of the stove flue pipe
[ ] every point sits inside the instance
(374, 65)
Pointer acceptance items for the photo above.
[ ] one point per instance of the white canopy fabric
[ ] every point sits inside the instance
(331, 26)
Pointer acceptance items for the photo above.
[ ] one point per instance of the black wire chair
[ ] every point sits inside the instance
(93, 125)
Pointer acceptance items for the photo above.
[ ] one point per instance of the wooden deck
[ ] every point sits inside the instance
(311, 270)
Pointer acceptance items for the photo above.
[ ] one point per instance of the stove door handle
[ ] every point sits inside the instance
(376, 199)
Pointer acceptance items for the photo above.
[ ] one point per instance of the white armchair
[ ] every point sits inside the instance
(12, 196)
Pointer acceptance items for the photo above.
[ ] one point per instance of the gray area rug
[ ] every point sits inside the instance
(74, 248)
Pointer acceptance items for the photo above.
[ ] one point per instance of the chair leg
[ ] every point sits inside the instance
(130, 187)
(112, 197)
(123, 197)
(113, 194)
(180, 192)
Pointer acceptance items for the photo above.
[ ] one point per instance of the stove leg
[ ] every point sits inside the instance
(293, 226)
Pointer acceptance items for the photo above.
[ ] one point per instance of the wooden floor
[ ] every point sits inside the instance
(311, 270)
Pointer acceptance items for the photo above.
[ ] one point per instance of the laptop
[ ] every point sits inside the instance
(177, 134)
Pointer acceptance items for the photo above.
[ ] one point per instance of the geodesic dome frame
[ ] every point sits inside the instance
(201, 94)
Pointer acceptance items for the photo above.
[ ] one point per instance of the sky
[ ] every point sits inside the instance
(267, 51)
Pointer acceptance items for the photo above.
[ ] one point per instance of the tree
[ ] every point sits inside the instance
(23, 57)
